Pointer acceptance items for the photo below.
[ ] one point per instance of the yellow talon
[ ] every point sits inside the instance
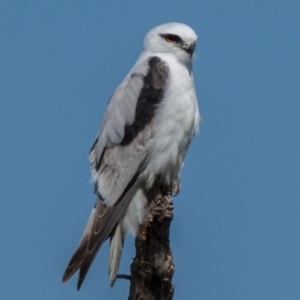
(175, 189)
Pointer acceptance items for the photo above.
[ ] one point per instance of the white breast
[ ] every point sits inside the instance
(177, 120)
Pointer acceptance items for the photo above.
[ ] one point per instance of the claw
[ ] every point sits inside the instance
(175, 188)
(172, 190)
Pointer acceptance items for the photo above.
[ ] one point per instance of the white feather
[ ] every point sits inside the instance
(158, 149)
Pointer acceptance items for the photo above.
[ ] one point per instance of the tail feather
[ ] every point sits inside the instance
(101, 224)
(116, 247)
(78, 256)
(75, 262)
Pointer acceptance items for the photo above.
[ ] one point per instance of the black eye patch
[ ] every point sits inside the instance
(171, 38)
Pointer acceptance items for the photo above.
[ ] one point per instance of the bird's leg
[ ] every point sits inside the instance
(175, 188)
(172, 189)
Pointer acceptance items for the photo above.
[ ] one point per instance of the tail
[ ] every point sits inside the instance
(102, 223)
(116, 247)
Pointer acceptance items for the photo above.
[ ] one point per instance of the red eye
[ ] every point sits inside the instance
(170, 38)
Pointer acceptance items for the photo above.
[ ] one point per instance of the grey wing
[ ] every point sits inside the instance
(126, 128)
(120, 112)
(112, 164)
(119, 155)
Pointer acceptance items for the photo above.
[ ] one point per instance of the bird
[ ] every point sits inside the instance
(144, 135)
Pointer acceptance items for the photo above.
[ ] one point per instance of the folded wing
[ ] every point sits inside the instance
(118, 158)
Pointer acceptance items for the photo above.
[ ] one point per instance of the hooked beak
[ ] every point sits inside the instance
(189, 48)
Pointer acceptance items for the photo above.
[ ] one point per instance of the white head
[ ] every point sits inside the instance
(172, 38)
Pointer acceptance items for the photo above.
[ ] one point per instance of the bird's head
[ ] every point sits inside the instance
(172, 39)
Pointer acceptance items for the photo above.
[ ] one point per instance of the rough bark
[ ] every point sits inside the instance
(153, 267)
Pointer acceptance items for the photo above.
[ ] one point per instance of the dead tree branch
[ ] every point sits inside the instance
(153, 267)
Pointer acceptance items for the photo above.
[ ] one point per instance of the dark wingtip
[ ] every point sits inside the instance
(83, 270)
(74, 263)
(65, 277)
(68, 274)
(79, 283)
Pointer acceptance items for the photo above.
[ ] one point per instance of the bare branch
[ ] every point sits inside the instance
(153, 267)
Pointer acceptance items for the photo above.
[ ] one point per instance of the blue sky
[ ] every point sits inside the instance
(235, 233)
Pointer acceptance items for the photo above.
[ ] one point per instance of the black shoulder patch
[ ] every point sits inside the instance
(150, 96)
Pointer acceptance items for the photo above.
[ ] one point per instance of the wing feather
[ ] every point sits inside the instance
(101, 223)
(120, 111)
(118, 158)
(117, 153)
